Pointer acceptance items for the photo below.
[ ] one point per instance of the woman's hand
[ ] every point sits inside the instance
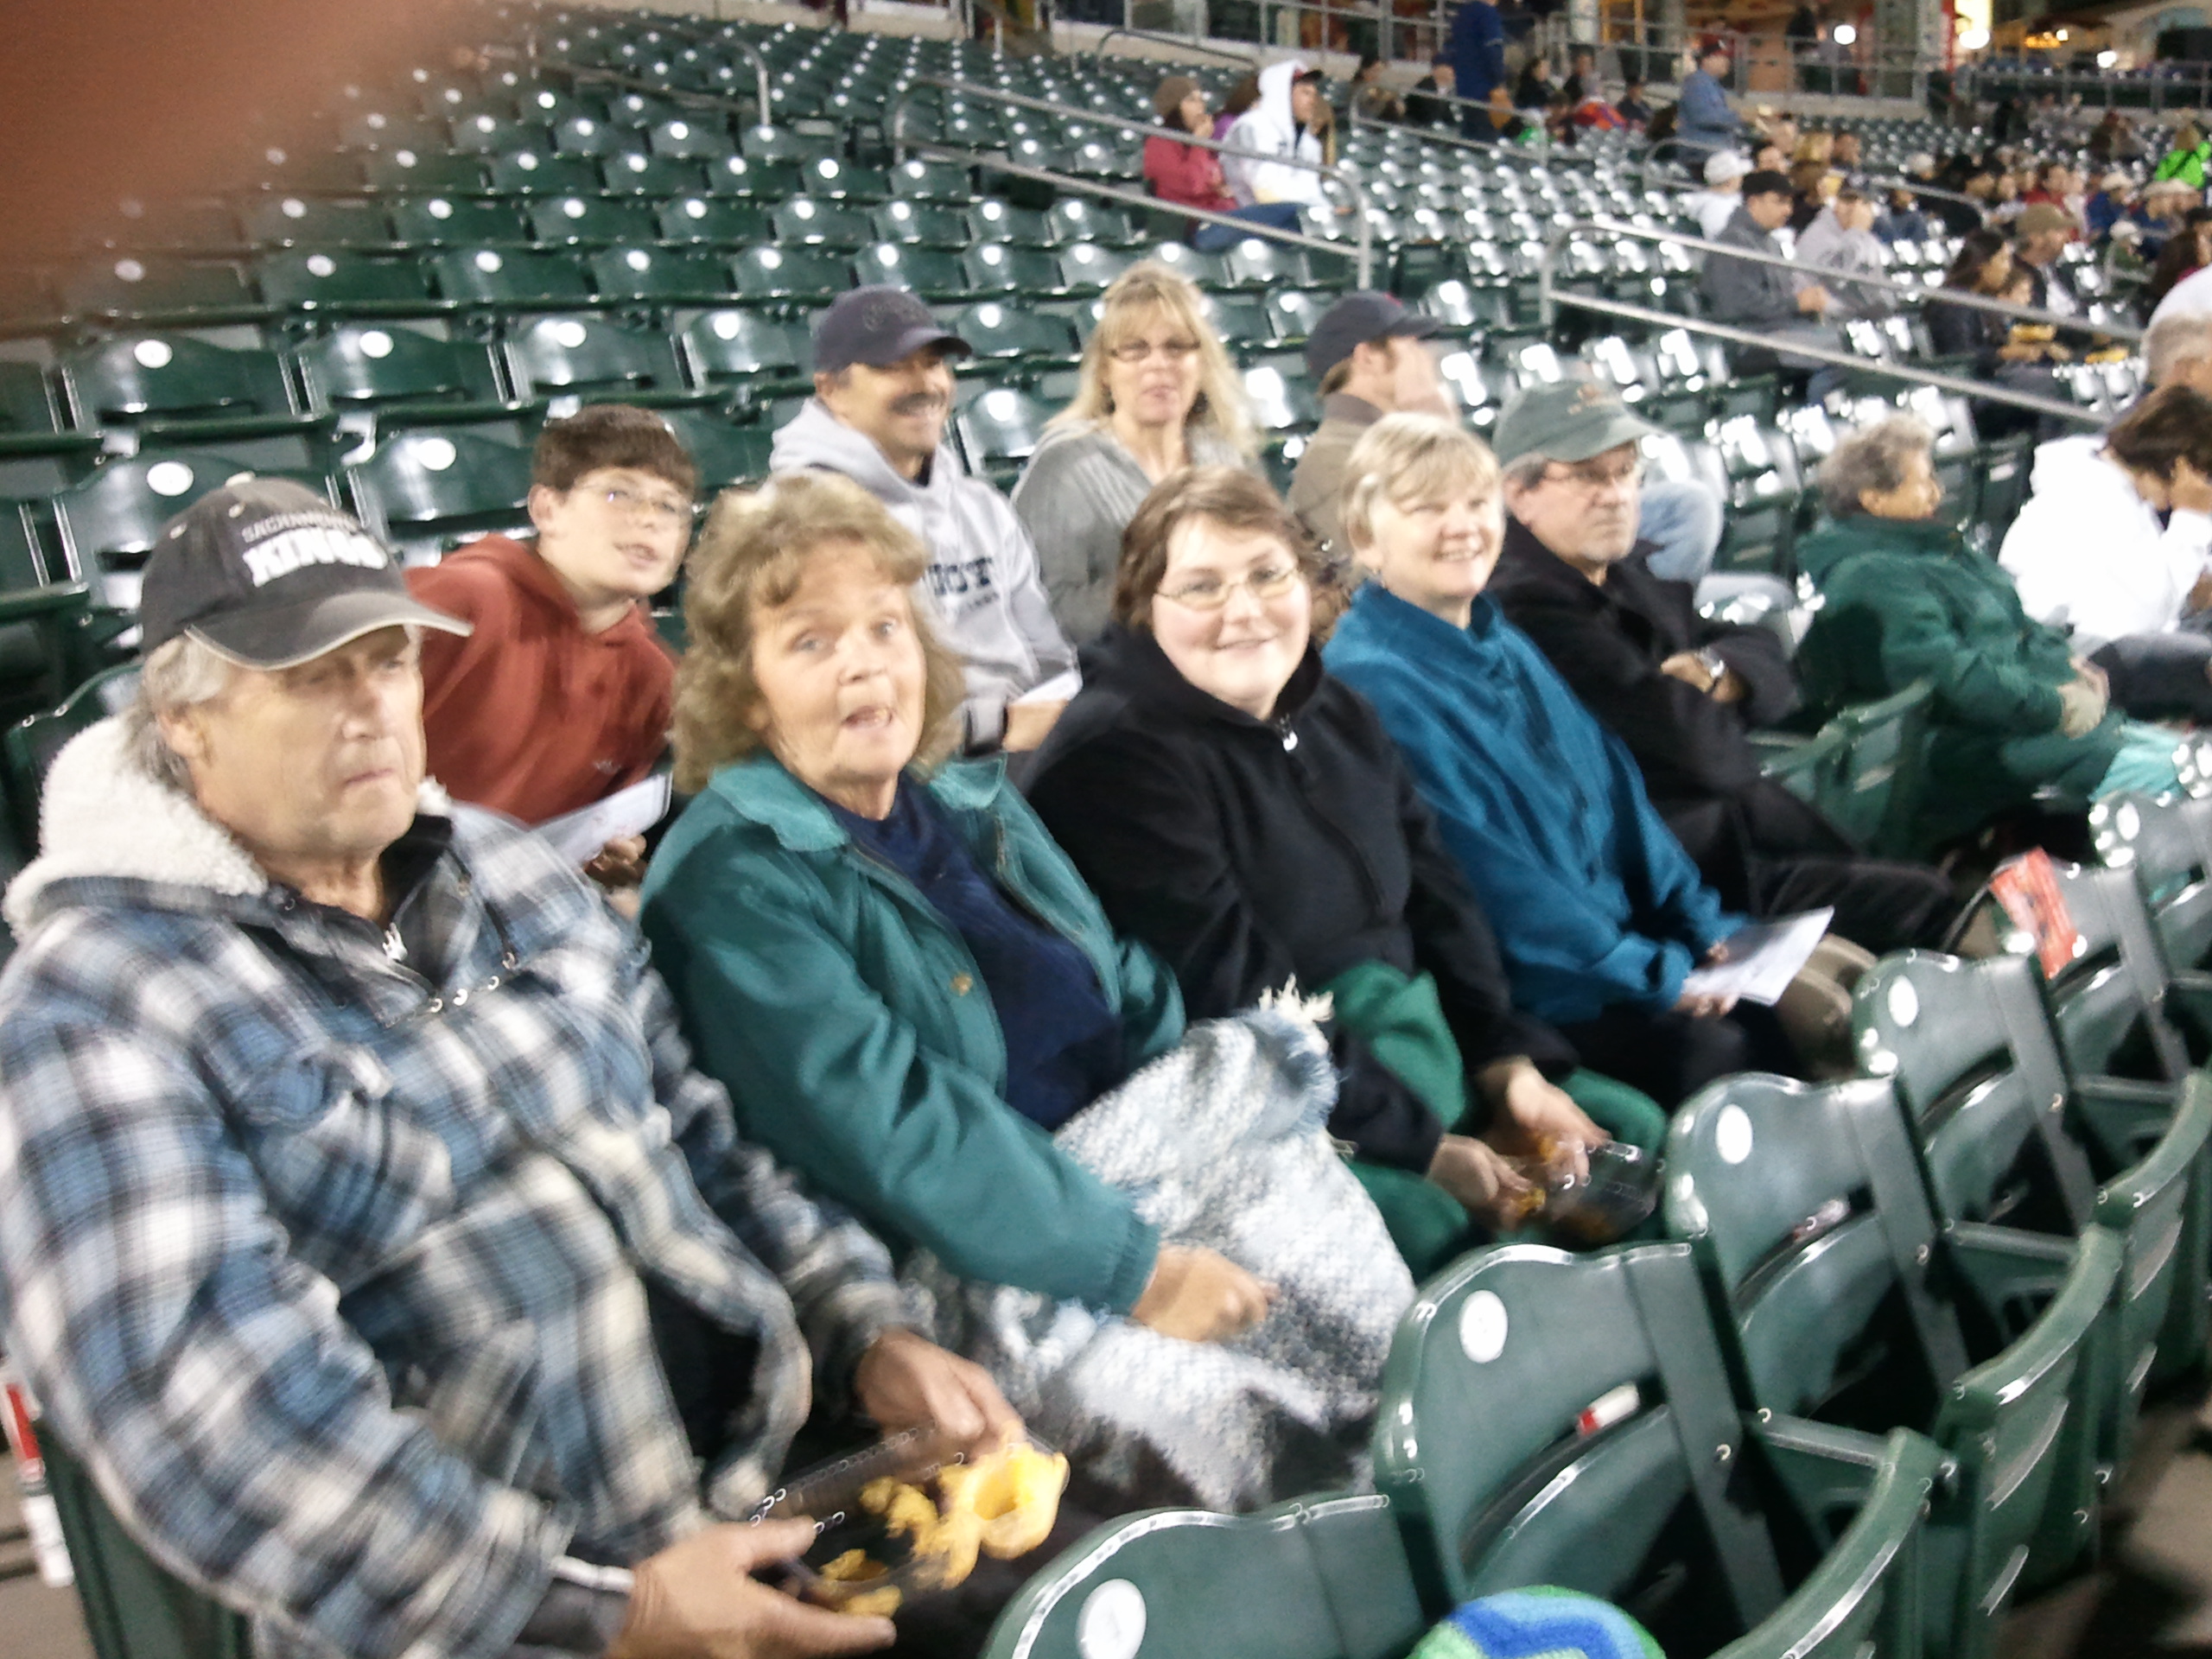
(1198, 1295)
(1486, 1186)
(1537, 1119)
(905, 1382)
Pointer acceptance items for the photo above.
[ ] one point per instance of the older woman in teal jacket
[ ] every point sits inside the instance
(912, 998)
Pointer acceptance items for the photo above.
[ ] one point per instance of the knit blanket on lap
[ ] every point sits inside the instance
(1221, 1144)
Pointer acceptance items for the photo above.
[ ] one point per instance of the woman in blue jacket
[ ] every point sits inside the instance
(1599, 913)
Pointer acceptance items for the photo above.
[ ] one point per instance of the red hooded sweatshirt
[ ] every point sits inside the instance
(530, 715)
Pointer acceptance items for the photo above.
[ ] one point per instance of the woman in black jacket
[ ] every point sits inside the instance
(1984, 266)
(1245, 815)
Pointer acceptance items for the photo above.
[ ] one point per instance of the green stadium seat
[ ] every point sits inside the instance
(399, 374)
(174, 388)
(341, 284)
(2112, 1006)
(107, 521)
(733, 348)
(149, 288)
(1257, 262)
(1282, 398)
(641, 110)
(828, 178)
(1241, 321)
(1842, 1303)
(1549, 1418)
(691, 137)
(43, 616)
(31, 417)
(1323, 1577)
(739, 175)
(485, 134)
(919, 222)
(1874, 797)
(540, 173)
(784, 145)
(993, 220)
(387, 130)
(585, 135)
(2167, 846)
(558, 221)
(1002, 334)
(727, 456)
(2005, 1142)
(920, 180)
(598, 361)
(799, 273)
(634, 173)
(1001, 267)
(1087, 268)
(456, 221)
(802, 221)
(32, 743)
(1294, 313)
(509, 278)
(411, 172)
(1075, 220)
(714, 221)
(1809, 768)
(933, 273)
(1204, 269)
(428, 491)
(658, 276)
(296, 221)
(999, 428)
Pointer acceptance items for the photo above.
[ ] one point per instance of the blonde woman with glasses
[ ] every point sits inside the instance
(1158, 394)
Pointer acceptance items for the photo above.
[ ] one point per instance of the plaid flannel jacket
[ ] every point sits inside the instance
(325, 1247)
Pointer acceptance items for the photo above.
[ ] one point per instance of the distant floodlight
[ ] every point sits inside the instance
(2107, 60)
(1844, 34)
(1975, 40)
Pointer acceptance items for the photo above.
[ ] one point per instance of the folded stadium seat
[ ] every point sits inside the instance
(2005, 1142)
(556, 107)
(924, 224)
(832, 179)
(174, 389)
(1204, 269)
(1257, 263)
(428, 491)
(568, 360)
(804, 221)
(784, 143)
(1000, 268)
(634, 173)
(691, 137)
(999, 428)
(1086, 268)
(558, 221)
(107, 521)
(940, 181)
(130, 288)
(1292, 313)
(1840, 1300)
(396, 172)
(1463, 305)
(585, 135)
(540, 172)
(933, 273)
(714, 221)
(31, 745)
(319, 283)
(367, 372)
(1874, 794)
(2167, 846)
(1548, 1419)
(740, 351)
(1763, 493)
(1323, 1577)
(443, 221)
(492, 134)
(1073, 220)
(1282, 395)
(726, 456)
(791, 273)
(642, 110)
(1808, 767)
(1243, 322)
(993, 220)
(510, 279)
(43, 618)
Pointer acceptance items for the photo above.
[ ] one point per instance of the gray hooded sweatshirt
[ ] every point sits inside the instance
(982, 589)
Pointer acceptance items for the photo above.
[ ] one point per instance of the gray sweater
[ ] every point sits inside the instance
(1080, 489)
(1748, 294)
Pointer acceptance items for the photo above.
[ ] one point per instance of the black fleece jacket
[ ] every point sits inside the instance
(1247, 852)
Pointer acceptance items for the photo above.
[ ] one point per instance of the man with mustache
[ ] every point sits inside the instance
(1681, 691)
(882, 391)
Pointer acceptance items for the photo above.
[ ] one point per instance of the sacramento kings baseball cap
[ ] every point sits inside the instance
(877, 326)
(271, 574)
(1359, 319)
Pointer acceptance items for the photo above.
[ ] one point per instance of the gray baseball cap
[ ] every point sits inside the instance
(1565, 420)
(878, 326)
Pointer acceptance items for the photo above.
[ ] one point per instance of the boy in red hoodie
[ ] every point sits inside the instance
(561, 695)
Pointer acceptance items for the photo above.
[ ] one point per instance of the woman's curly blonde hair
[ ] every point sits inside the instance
(752, 558)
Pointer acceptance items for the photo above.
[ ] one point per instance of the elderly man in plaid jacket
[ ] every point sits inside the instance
(363, 1224)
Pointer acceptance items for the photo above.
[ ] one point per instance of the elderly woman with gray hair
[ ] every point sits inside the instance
(1906, 600)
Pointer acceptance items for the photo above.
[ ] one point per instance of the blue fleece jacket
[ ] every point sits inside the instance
(1478, 50)
(1594, 900)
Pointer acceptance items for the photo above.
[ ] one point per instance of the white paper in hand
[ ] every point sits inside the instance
(581, 834)
(1763, 959)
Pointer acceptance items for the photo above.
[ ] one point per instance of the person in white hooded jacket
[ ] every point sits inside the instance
(1282, 124)
(882, 394)
(2114, 545)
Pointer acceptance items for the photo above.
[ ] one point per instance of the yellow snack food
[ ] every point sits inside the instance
(853, 1567)
(1014, 1493)
(874, 1604)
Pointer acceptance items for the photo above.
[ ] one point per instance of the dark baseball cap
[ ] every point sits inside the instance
(879, 327)
(1766, 183)
(1565, 420)
(271, 574)
(1356, 320)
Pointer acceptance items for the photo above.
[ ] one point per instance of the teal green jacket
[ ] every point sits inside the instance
(856, 1038)
(1905, 600)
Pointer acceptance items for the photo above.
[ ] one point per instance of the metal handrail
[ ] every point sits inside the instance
(1045, 106)
(684, 94)
(1565, 234)
(1502, 149)
(1900, 181)
(1181, 43)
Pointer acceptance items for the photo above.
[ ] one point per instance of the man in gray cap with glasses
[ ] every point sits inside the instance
(1681, 690)
(882, 394)
(364, 1228)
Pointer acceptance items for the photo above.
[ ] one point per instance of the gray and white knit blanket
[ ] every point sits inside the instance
(1222, 1144)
